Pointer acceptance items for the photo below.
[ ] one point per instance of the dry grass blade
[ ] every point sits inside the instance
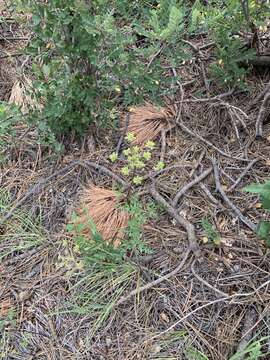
(20, 97)
(102, 207)
(148, 121)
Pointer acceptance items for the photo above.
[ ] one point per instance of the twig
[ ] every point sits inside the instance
(260, 96)
(193, 244)
(182, 92)
(152, 174)
(228, 201)
(189, 185)
(198, 163)
(155, 282)
(205, 282)
(163, 145)
(195, 49)
(40, 185)
(204, 78)
(215, 98)
(190, 132)
(121, 139)
(234, 126)
(104, 170)
(208, 193)
(155, 56)
(243, 174)
(260, 118)
(207, 46)
(250, 320)
(10, 55)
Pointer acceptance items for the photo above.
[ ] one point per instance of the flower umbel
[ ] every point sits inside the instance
(130, 137)
(137, 180)
(113, 157)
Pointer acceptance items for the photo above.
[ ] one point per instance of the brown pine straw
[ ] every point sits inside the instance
(148, 121)
(102, 207)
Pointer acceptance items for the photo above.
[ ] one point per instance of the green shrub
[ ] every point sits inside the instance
(223, 20)
(89, 57)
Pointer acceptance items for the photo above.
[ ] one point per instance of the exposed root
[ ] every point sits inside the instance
(237, 212)
(193, 244)
(188, 186)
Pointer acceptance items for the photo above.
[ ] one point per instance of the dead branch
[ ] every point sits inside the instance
(121, 139)
(188, 186)
(198, 163)
(237, 212)
(153, 174)
(206, 84)
(163, 145)
(192, 239)
(208, 193)
(243, 174)
(260, 118)
(104, 171)
(212, 99)
(249, 321)
(260, 96)
(205, 282)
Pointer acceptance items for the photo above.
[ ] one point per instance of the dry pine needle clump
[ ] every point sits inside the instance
(146, 122)
(102, 207)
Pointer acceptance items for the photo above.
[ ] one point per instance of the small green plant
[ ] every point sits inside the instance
(263, 190)
(194, 354)
(9, 116)
(211, 233)
(9, 319)
(136, 160)
(106, 272)
(96, 250)
(253, 351)
(22, 232)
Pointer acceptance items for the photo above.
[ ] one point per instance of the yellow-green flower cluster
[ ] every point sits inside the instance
(136, 159)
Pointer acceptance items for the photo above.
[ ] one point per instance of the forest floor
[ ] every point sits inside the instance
(218, 298)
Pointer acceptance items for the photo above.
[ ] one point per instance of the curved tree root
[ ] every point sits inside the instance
(192, 239)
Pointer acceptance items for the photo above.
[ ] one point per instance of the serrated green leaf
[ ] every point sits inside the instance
(263, 230)
(265, 201)
(254, 188)
(175, 18)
